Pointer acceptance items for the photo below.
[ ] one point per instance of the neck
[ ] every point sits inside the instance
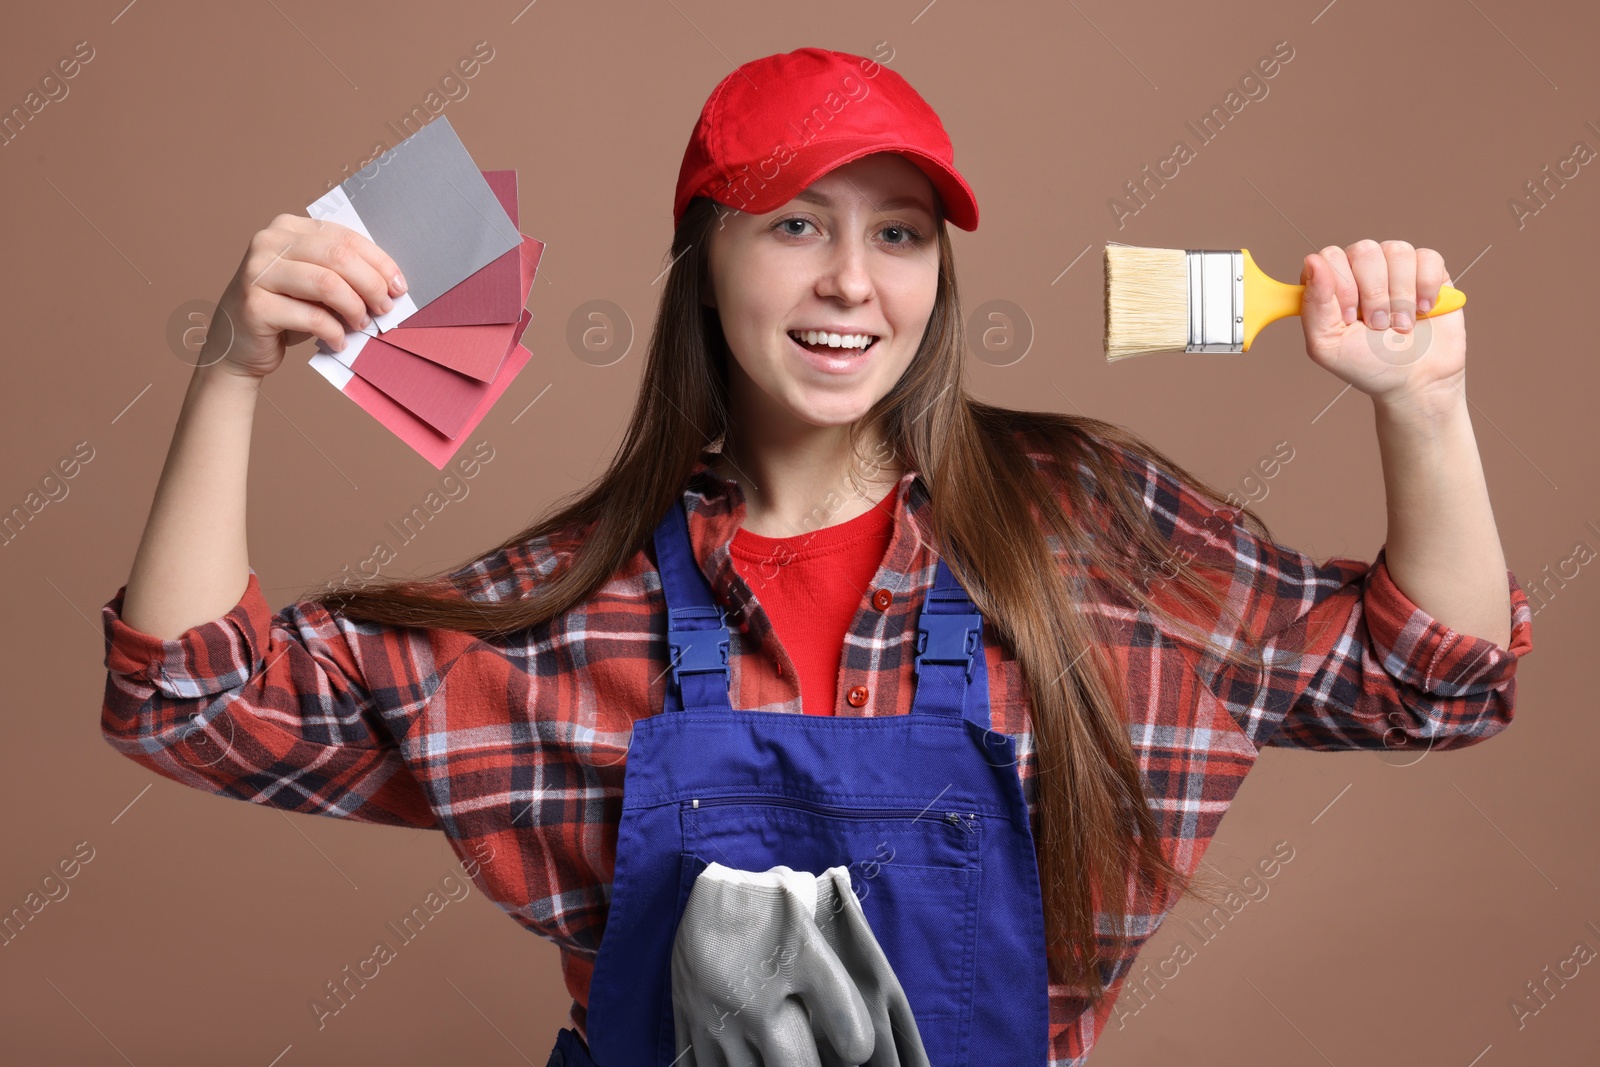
(808, 484)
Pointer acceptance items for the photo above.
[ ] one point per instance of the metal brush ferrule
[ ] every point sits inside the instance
(1216, 300)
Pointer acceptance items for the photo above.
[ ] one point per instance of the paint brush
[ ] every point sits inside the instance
(1200, 300)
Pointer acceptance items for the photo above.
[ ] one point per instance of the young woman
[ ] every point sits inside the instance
(825, 608)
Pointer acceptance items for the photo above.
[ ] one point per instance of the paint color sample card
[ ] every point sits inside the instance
(424, 400)
(494, 296)
(432, 445)
(491, 294)
(426, 204)
(445, 223)
(474, 349)
(439, 396)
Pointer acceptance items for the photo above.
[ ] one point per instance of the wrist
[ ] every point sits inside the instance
(1422, 409)
(225, 375)
(213, 387)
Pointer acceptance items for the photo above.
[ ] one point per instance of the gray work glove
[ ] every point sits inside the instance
(754, 984)
(897, 1042)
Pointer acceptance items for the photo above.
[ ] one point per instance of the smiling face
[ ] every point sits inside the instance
(855, 253)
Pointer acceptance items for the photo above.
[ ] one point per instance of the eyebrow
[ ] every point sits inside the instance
(893, 202)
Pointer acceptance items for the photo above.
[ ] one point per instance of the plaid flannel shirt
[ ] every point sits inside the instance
(519, 743)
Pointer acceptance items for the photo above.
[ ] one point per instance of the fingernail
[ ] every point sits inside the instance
(338, 345)
(1379, 320)
(366, 320)
(1402, 320)
(399, 283)
(1349, 315)
(1424, 306)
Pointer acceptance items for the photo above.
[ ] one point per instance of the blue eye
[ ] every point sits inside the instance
(913, 235)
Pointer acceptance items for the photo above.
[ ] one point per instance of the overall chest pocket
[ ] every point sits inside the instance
(916, 872)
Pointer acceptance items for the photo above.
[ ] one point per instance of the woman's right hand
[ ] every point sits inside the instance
(298, 277)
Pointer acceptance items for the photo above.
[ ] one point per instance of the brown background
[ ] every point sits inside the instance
(1420, 899)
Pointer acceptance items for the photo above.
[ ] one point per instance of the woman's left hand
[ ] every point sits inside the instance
(1386, 352)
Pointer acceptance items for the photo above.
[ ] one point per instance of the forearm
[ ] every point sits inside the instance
(1442, 548)
(192, 564)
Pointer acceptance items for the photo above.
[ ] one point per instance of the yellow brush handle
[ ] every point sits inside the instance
(1267, 300)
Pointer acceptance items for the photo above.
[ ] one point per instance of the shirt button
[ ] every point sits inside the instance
(882, 599)
(857, 695)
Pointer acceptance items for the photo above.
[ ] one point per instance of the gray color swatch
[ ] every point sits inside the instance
(430, 208)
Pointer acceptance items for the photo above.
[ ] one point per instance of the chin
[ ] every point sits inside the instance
(831, 414)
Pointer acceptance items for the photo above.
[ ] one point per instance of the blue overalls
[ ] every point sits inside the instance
(925, 809)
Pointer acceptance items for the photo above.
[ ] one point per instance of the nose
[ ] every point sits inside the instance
(845, 274)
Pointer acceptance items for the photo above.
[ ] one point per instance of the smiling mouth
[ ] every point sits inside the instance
(841, 351)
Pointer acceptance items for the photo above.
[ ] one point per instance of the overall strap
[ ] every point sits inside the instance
(952, 675)
(697, 628)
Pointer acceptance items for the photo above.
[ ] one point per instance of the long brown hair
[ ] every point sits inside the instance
(991, 512)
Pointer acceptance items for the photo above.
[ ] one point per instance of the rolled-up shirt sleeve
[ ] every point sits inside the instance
(1419, 650)
(297, 710)
(1348, 660)
(1366, 667)
(1351, 662)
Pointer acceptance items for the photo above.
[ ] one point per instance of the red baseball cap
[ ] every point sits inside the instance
(777, 124)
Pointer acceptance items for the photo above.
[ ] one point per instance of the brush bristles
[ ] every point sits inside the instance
(1147, 300)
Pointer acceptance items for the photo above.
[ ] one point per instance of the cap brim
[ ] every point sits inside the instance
(818, 158)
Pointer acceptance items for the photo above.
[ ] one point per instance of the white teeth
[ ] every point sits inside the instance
(832, 340)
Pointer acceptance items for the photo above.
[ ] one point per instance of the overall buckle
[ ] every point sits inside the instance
(947, 639)
(697, 650)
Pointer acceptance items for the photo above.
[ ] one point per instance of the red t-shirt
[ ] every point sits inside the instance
(811, 585)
